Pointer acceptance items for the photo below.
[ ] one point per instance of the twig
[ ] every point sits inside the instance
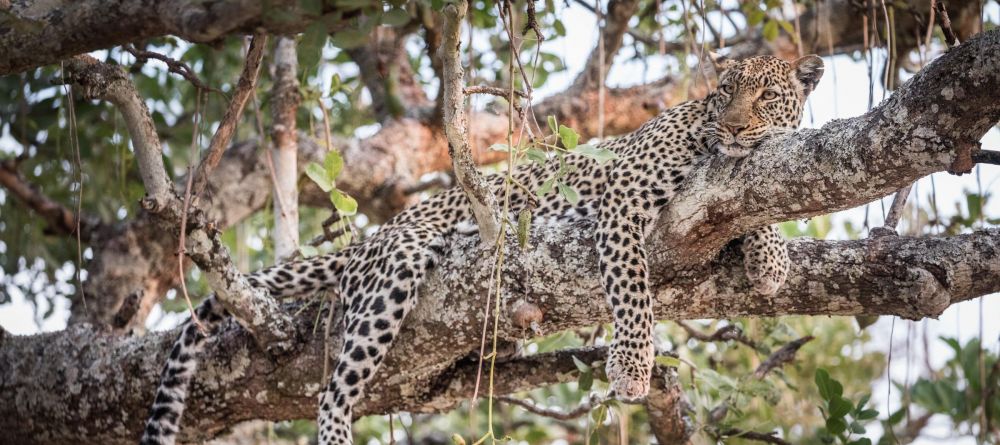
(986, 157)
(753, 435)
(484, 203)
(583, 408)
(896, 210)
(495, 91)
(181, 245)
(945, 22)
(725, 333)
(173, 66)
(244, 89)
(784, 355)
(60, 218)
(533, 23)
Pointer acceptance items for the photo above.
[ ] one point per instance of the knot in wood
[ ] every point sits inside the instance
(525, 315)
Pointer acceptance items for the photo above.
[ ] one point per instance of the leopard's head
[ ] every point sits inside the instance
(756, 97)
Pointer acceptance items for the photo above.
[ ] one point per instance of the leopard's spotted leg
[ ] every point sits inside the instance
(377, 305)
(622, 221)
(765, 259)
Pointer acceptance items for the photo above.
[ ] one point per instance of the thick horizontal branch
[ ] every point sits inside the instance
(49, 378)
(932, 123)
(36, 33)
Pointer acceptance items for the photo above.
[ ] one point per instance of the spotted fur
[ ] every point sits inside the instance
(379, 278)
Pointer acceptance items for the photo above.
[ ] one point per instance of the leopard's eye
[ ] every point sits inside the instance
(727, 89)
(769, 95)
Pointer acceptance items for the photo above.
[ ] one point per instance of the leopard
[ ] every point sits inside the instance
(378, 278)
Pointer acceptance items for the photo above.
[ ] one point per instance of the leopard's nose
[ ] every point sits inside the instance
(735, 128)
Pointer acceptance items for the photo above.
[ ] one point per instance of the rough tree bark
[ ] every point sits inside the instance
(91, 385)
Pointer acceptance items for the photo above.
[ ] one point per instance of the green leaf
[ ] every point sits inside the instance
(897, 416)
(868, 414)
(770, 30)
(348, 38)
(500, 147)
(857, 428)
(333, 163)
(586, 381)
(310, 48)
(839, 407)
(861, 441)
(546, 187)
(865, 320)
(457, 440)
(344, 204)
(569, 193)
(552, 124)
(568, 137)
(308, 251)
(823, 383)
(559, 28)
(311, 7)
(536, 155)
(335, 83)
(318, 174)
(580, 365)
(861, 403)
(396, 17)
(668, 361)
(836, 425)
(599, 154)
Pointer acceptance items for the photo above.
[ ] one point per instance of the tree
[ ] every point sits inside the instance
(269, 366)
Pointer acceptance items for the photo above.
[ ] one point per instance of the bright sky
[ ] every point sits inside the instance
(843, 92)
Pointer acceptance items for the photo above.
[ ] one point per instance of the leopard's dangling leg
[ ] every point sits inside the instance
(622, 261)
(376, 307)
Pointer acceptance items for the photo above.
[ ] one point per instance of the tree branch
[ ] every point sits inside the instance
(932, 123)
(45, 32)
(481, 199)
(255, 310)
(432, 366)
(615, 26)
(224, 134)
(58, 218)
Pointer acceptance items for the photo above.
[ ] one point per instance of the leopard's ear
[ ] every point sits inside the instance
(808, 70)
(720, 62)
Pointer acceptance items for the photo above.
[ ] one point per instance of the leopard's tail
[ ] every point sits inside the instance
(287, 279)
(165, 414)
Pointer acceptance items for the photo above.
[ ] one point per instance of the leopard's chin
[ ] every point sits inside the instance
(734, 150)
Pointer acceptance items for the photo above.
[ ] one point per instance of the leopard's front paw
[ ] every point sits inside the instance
(629, 374)
(768, 278)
